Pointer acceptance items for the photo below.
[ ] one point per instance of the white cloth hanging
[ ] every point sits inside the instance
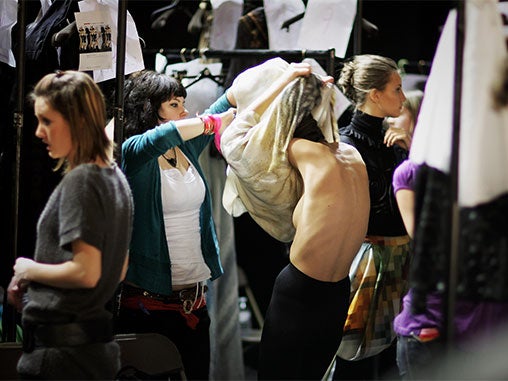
(226, 14)
(276, 13)
(484, 132)
(8, 10)
(326, 24)
(202, 93)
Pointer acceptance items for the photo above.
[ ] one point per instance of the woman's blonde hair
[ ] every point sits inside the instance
(365, 72)
(77, 97)
(413, 103)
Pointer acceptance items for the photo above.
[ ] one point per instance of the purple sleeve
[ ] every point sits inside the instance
(404, 176)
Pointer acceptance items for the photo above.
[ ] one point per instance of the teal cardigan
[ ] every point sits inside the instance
(149, 264)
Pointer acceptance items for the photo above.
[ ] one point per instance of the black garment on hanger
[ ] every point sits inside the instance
(483, 243)
(41, 57)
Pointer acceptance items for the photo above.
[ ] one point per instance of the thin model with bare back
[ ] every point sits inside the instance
(304, 321)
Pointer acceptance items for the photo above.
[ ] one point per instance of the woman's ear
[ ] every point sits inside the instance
(374, 95)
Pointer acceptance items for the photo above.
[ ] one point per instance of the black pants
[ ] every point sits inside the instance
(303, 326)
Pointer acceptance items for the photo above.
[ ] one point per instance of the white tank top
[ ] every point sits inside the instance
(182, 196)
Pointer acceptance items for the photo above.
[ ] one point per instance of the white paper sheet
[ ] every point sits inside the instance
(95, 50)
(327, 24)
(226, 14)
(133, 54)
(276, 13)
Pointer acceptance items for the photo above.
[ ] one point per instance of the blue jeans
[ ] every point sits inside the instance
(415, 358)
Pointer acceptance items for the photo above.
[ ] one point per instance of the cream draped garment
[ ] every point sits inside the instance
(260, 179)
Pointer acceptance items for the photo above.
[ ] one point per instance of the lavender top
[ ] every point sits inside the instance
(471, 318)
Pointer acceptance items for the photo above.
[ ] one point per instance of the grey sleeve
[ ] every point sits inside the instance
(82, 210)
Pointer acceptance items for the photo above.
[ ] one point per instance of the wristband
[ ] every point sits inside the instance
(217, 122)
(208, 124)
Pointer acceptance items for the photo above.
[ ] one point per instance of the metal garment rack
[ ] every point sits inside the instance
(296, 55)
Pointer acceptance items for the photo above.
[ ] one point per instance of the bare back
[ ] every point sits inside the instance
(332, 215)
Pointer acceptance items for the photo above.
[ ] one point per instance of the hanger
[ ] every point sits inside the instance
(205, 73)
(414, 67)
(179, 74)
(371, 29)
(63, 35)
(162, 10)
(161, 20)
(292, 20)
(196, 22)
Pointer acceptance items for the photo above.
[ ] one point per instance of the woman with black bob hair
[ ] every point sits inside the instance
(174, 248)
(144, 93)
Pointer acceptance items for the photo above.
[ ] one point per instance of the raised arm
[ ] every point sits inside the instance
(190, 128)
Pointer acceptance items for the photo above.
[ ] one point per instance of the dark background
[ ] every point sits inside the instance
(408, 29)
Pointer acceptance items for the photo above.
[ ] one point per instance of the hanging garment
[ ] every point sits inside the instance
(201, 91)
(8, 10)
(482, 179)
(41, 56)
(223, 30)
(252, 34)
(260, 178)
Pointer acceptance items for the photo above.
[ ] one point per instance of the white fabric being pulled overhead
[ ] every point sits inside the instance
(483, 131)
(260, 178)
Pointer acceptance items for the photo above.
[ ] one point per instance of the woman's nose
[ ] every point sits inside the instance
(38, 132)
(185, 113)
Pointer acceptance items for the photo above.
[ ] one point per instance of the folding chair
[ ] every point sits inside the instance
(10, 353)
(149, 356)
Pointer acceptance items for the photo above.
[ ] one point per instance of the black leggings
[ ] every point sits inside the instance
(303, 326)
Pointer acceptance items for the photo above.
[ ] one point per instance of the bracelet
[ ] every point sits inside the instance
(208, 124)
(211, 124)
(217, 122)
(217, 136)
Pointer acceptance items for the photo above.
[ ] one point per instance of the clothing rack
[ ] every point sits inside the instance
(9, 314)
(414, 67)
(297, 55)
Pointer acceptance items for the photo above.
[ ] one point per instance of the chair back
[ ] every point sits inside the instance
(149, 356)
